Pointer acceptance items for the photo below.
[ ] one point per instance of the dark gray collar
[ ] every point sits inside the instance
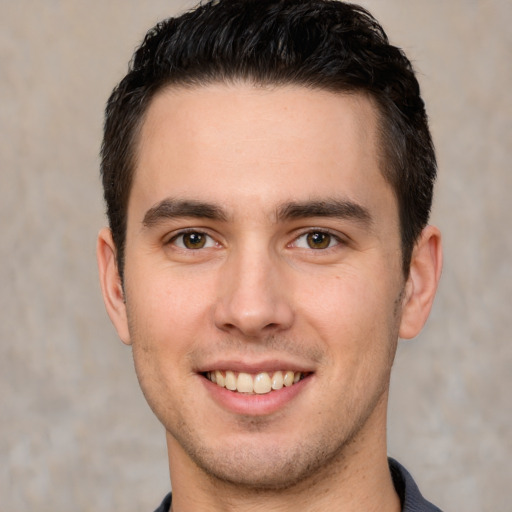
(406, 488)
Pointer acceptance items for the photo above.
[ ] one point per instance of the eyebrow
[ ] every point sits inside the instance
(336, 208)
(173, 208)
(170, 208)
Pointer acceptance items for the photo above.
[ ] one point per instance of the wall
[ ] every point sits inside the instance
(75, 432)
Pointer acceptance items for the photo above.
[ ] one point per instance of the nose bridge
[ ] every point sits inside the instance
(252, 298)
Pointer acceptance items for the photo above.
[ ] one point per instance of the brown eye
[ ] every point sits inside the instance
(318, 240)
(193, 240)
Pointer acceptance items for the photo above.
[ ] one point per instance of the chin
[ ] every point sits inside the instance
(263, 465)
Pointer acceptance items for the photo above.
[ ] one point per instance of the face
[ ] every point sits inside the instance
(262, 251)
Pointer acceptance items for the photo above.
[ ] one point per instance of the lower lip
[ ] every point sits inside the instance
(254, 404)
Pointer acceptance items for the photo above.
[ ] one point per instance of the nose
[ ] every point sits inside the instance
(253, 299)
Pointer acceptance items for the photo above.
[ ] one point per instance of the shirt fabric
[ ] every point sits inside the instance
(406, 488)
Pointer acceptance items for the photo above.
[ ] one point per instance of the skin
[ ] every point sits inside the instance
(247, 169)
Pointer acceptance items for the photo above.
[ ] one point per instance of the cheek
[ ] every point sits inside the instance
(354, 317)
(164, 318)
(167, 303)
(348, 299)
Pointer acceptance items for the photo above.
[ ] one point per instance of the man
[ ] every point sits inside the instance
(268, 173)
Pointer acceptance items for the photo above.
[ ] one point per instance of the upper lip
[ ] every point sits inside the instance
(253, 366)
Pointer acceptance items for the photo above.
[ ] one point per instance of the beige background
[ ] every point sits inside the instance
(75, 432)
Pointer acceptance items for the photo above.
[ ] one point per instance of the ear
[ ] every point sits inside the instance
(111, 286)
(421, 285)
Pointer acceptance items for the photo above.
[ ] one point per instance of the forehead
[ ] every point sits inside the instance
(263, 144)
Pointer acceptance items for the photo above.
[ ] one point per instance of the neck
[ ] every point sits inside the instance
(356, 480)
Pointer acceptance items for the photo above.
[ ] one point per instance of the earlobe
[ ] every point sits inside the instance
(111, 286)
(421, 285)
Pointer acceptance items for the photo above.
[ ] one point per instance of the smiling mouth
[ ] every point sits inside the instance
(259, 384)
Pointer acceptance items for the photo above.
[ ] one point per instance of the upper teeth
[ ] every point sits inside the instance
(260, 383)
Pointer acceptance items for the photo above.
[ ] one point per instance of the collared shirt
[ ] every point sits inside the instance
(406, 488)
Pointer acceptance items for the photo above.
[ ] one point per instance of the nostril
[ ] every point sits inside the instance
(252, 304)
